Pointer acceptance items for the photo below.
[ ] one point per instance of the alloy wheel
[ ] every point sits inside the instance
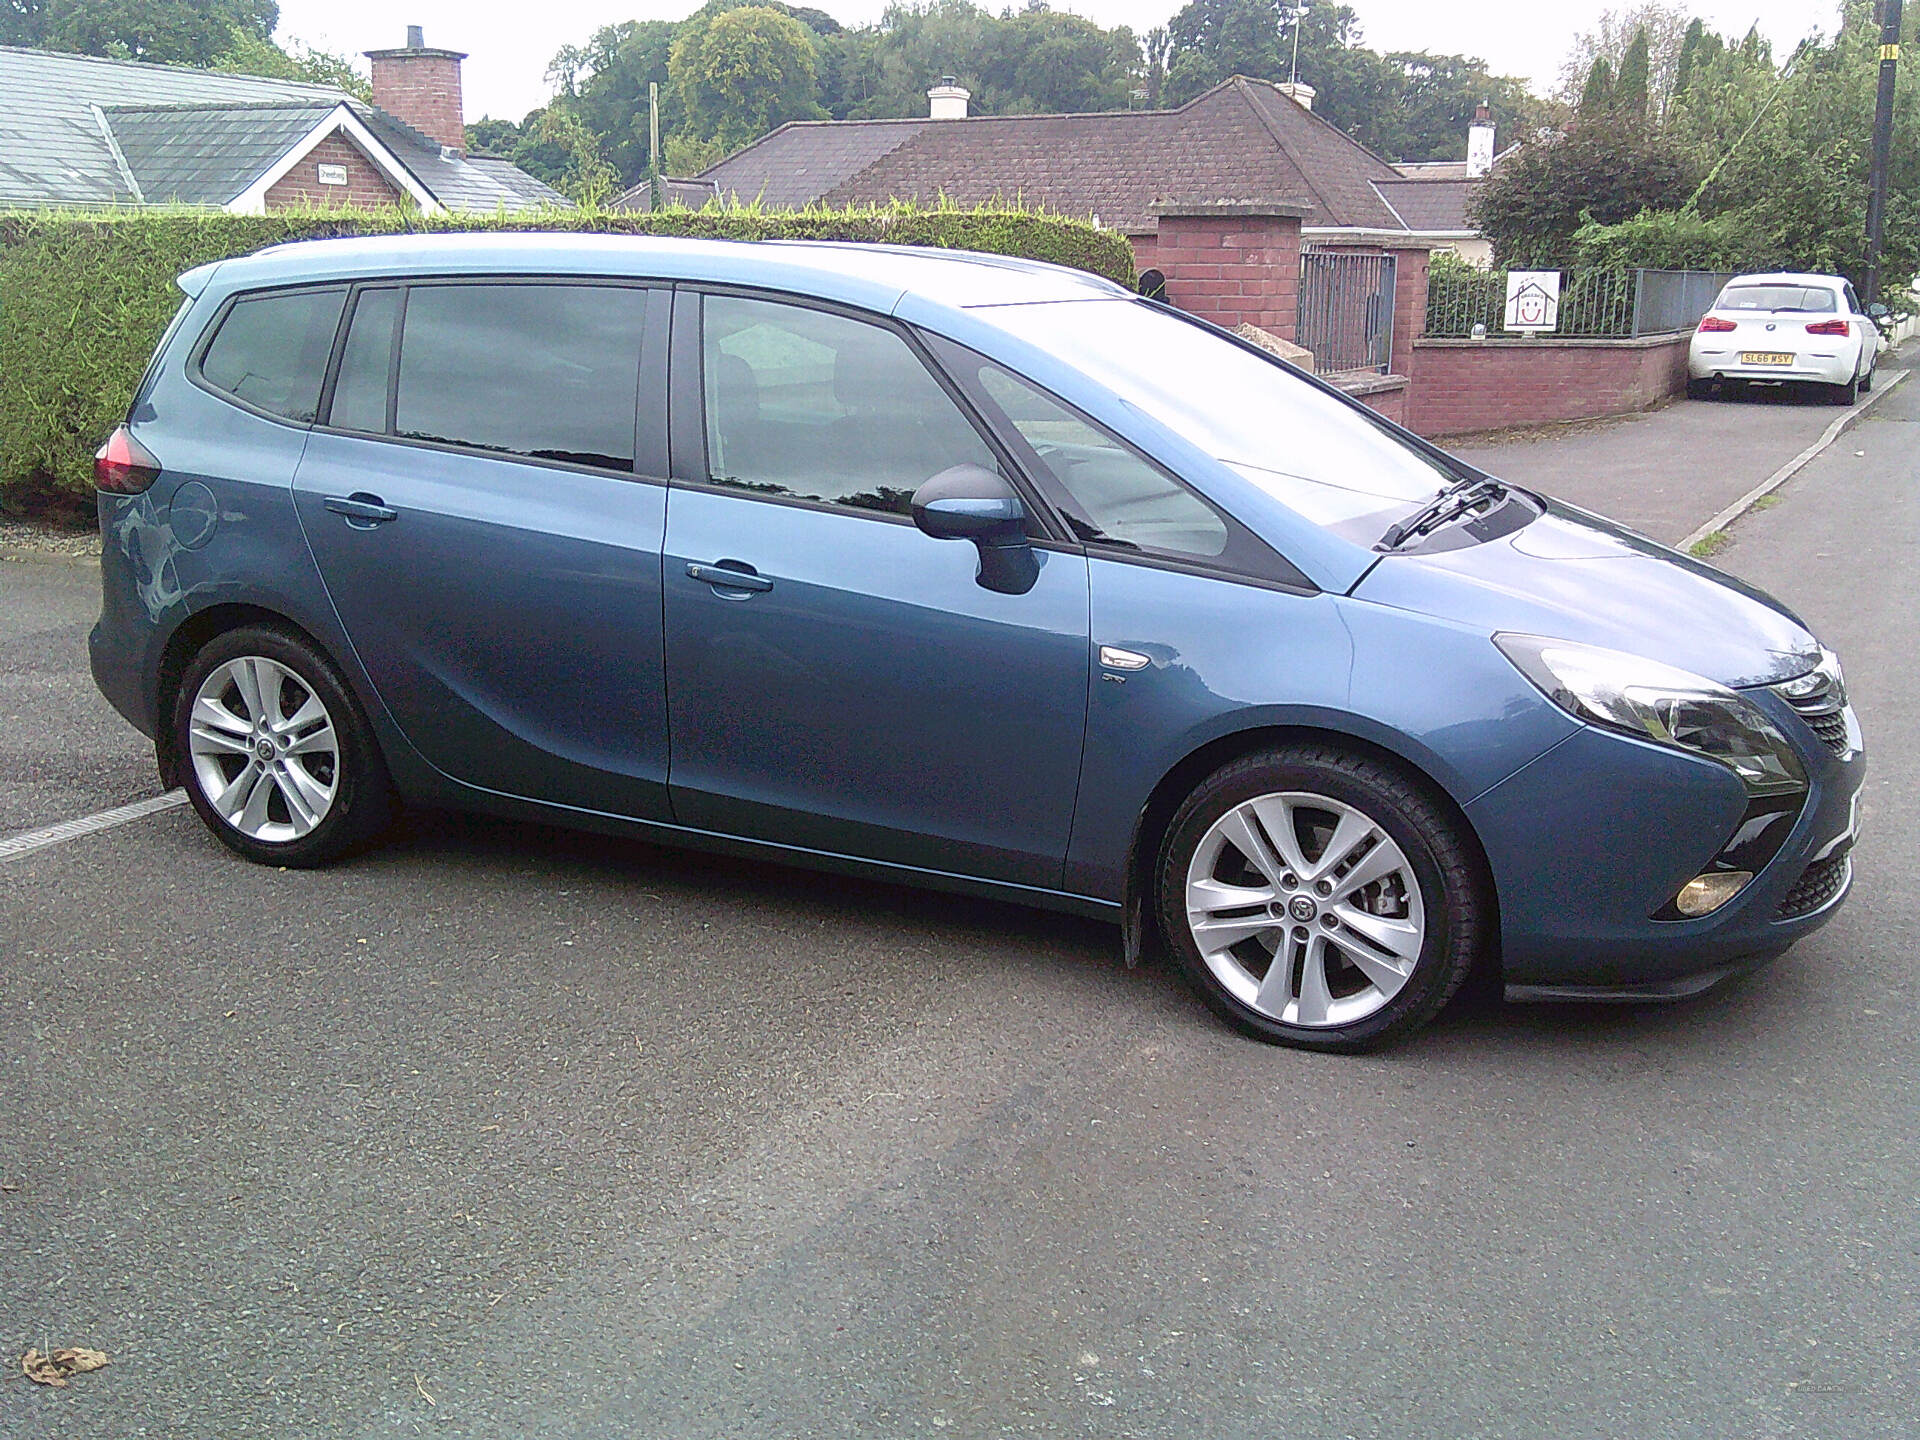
(265, 752)
(1305, 909)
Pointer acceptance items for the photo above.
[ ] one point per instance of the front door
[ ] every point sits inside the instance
(474, 506)
(836, 679)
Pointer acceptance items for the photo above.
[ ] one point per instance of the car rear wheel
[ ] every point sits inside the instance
(1844, 394)
(278, 760)
(1320, 899)
(1699, 389)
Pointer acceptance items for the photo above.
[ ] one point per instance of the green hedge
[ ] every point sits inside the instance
(84, 297)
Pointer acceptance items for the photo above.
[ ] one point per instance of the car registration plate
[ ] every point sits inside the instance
(1764, 357)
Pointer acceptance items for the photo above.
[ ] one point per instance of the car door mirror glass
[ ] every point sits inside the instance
(970, 502)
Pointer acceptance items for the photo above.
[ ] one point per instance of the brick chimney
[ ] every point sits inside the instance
(422, 88)
(1480, 143)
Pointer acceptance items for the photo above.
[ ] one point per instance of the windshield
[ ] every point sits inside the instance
(1777, 297)
(1319, 457)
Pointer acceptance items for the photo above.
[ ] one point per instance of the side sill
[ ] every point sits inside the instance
(461, 795)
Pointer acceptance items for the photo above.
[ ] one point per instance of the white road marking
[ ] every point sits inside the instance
(18, 845)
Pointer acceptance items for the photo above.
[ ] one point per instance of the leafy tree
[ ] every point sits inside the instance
(170, 32)
(743, 71)
(251, 55)
(556, 148)
(1600, 169)
(605, 84)
(496, 138)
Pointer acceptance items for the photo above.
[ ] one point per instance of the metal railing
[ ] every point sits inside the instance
(1602, 304)
(1346, 310)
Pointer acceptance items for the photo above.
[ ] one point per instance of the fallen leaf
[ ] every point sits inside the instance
(55, 1368)
(9, 1187)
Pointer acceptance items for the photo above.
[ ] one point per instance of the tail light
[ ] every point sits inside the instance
(1829, 327)
(1714, 325)
(123, 466)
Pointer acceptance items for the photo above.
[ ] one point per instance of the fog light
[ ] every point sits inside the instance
(1705, 894)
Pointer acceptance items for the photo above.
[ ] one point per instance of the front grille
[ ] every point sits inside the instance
(1818, 884)
(1820, 698)
(1832, 730)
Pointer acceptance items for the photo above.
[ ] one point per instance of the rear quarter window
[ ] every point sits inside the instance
(270, 351)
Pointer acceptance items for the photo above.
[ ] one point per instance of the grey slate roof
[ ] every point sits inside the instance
(673, 191)
(1435, 206)
(193, 134)
(1241, 140)
(207, 154)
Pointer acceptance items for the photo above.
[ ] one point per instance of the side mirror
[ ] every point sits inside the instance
(968, 502)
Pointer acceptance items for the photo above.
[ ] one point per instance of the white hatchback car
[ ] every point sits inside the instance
(1785, 328)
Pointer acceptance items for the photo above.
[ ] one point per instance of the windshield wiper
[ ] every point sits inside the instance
(1450, 504)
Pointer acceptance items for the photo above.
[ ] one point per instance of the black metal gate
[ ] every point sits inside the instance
(1346, 310)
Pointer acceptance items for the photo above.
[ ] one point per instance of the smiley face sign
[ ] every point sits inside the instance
(1533, 300)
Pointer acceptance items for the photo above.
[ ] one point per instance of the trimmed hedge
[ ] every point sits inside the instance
(84, 297)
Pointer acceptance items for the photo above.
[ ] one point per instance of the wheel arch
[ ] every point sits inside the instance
(1156, 816)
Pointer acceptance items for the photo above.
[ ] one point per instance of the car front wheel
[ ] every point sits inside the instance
(1318, 898)
(276, 757)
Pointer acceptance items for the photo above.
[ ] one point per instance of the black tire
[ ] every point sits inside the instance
(363, 800)
(1699, 389)
(1866, 383)
(1458, 915)
(1844, 394)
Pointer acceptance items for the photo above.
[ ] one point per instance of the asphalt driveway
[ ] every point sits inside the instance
(504, 1132)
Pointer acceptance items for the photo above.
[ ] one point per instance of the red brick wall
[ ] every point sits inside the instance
(422, 87)
(1144, 249)
(301, 185)
(1466, 385)
(1232, 269)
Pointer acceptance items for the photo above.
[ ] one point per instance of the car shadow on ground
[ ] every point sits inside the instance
(1781, 392)
(1478, 1014)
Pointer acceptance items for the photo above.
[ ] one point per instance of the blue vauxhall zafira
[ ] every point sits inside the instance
(958, 571)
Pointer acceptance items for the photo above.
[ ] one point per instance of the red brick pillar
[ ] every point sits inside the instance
(1409, 302)
(1233, 262)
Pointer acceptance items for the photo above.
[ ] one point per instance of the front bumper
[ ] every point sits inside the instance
(1622, 824)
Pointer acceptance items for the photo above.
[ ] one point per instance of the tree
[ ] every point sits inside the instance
(250, 55)
(1666, 23)
(1596, 96)
(554, 147)
(605, 84)
(744, 71)
(1603, 169)
(1630, 87)
(168, 32)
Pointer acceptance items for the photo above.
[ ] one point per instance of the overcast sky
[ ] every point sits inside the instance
(509, 45)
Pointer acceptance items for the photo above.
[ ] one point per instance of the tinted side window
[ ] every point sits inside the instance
(821, 407)
(271, 351)
(1121, 497)
(547, 371)
(360, 389)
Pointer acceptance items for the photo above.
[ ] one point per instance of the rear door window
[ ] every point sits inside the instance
(360, 389)
(545, 371)
(271, 351)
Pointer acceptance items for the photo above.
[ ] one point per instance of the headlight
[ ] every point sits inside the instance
(1656, 702)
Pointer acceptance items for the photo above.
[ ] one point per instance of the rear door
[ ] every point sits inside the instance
(485, 499)
(838, 680)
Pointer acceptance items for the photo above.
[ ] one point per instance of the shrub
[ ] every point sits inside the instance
(1675, 240)
(84, 297)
